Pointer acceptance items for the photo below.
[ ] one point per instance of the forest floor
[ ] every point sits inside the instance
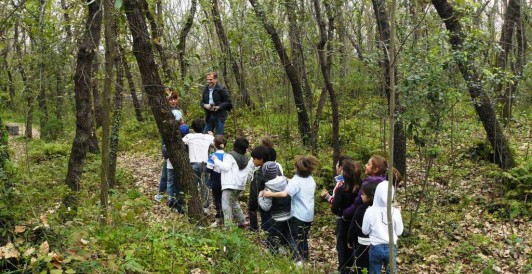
(471, 226)
(456, 230)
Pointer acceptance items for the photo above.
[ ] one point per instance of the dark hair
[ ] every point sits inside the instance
(266, 141)
(369, 190)
(305, 165)
(220, 142)
(272, 154)
(382, 168)
(198, 124)
(351, 175)
(260, 152)
(241, 145)
(341, 159)
(214, 74)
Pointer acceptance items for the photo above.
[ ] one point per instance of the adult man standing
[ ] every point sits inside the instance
(216, 102)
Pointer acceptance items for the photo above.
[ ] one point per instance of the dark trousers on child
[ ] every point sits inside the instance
(299, 232)
(345, 254)
(216, 185)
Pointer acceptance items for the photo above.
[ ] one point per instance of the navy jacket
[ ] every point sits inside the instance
(221, 99)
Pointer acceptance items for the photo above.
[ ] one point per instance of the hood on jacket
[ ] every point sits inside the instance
(241, 159)
(277, 184)
(381, 194)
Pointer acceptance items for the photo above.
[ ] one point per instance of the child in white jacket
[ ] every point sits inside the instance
(234, 173)
(375, 224)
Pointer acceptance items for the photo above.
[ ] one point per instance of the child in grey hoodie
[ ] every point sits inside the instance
(278, 207)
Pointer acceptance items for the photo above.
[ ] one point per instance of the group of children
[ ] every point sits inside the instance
(362, 239)
(286, 206)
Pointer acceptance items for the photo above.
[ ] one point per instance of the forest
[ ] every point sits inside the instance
(438, 88)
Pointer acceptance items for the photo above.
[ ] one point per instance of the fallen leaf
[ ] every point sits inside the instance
(29, 252)
(44, 220)
(20, 228)
(44, 248)
(10, 251)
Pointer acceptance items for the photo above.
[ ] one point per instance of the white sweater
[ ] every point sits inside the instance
(232, 177)
(376, 221)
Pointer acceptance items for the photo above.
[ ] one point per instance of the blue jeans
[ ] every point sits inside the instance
(199, 170)
(378, 256)
(215, 122)
(171, 186)
(164, 178)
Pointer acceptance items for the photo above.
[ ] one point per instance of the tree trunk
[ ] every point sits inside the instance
(512, 18)
(325, 58)
(96, 110)
(110, 47)
(296, 50)
(181, 46)
(45, 134)
(131, 84)
(226, 50)
(117, 117)
(27, 89)
(470, 72)
(156, 32)
(291, 73)
(86, 53)
(383, 25)
(166, 123)
(10, 84)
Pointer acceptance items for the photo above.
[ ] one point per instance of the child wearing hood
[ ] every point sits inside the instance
(278, 207)
(375, 224)
(233, 174)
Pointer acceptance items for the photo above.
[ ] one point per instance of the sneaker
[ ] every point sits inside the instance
(243, 225)
(158, 198)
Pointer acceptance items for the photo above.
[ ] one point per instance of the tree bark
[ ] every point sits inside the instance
(291, 73)
(326, 32)
(383, 26)
(82, 79)
(511, 25)
(131, 84)
(183, 33)
(27, 89)
(226, 50)
(470, 73)
(156, 32)
(296, 50)
(96, 110)
(45, 134)
(117, 117)
(166, 123)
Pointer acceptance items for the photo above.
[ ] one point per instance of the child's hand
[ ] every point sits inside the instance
(214, 157)
(266, 193)
(349, 245)
(207, 106)
(324, 193)
(261, 193)
(210, 133)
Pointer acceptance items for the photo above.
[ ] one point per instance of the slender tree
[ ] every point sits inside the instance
(325, 51)
(82, 78)
(291, 72)
(383, 26)
(471, 74)
(131, 84)
(226, 50)
(182, 37)
(154, 89)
